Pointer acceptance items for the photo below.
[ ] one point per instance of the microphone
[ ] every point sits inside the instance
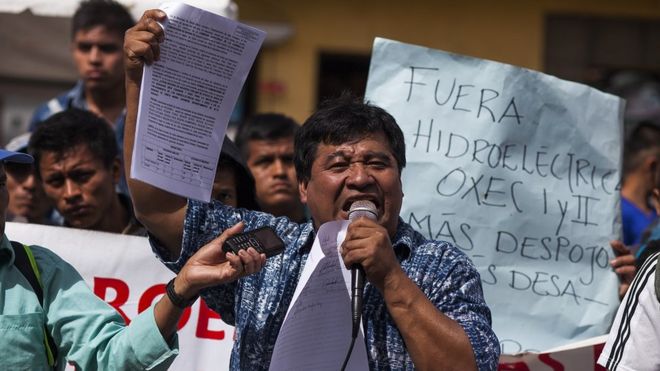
(359, 209)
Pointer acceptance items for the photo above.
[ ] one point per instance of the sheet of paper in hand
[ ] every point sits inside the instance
(187, 98)
(521, 171)
(316, 331)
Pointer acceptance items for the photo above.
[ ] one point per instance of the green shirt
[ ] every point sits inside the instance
(88, 332)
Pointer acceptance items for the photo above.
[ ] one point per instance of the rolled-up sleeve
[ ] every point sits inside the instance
(454, 286)
(91, 334)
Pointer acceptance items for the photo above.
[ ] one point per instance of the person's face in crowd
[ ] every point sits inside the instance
(224, 186)
(4, 197)
(79, 185)
(360, 170)
(27, 197)
(271, 165)
(98, 56)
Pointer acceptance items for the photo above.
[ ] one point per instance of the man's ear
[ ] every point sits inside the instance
(116, 169)
(651, 167)
(302, 191)
(650, 163)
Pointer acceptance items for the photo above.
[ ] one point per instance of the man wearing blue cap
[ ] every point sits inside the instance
(27, 201)
(49, 317)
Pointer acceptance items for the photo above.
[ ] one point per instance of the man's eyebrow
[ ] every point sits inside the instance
(55, 174)
(262, 160)
(378, 154)
(367, 155)
(263, 156)
(333, 155)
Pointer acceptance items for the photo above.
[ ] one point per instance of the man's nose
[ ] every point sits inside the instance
(279, 168)
(30, 182)
(95, 54)
(71, 190)
(359, 175)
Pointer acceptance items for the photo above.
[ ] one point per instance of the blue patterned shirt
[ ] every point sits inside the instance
(257, 304)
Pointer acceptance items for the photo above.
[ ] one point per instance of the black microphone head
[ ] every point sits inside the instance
(363, 208)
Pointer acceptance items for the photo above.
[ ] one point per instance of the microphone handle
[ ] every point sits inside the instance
(357, 284)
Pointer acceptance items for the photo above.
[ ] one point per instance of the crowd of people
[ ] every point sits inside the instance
(425, 303)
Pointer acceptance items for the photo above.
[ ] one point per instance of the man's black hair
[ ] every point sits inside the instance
(344, 120)
(110, 14)
(246, 195)
(264, 126)
(644, 139)
(655, 168)
(652, 247)
(64, 131)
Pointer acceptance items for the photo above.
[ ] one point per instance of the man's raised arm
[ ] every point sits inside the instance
(160, 211)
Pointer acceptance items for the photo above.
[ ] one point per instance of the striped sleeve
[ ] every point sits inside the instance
(635, 335)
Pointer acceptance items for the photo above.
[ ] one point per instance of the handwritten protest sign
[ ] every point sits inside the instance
(520, 170)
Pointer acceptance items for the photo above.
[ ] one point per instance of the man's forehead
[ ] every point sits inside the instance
(78, 154)
(271, 142)
(97, 34)
(260, 146)
(368, 145)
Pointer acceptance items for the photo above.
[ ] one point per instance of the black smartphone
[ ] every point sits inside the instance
(263, 239)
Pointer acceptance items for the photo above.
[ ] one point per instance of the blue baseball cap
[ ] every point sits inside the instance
(17, 157)
(19, 143)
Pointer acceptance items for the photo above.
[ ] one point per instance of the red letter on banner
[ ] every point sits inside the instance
(101, 286)
(598, 349)
(516, 366)
(148, 298)
(205, 313)
(556, 365)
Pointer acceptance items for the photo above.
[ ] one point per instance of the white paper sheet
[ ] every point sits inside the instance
(316, 333)
(520, 170)
(187, 98)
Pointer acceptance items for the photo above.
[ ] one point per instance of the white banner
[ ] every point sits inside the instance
(520, 170)
(581, 356)
(124, 272)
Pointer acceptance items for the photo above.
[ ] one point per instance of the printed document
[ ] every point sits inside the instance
(187, 98)
(316, 333)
